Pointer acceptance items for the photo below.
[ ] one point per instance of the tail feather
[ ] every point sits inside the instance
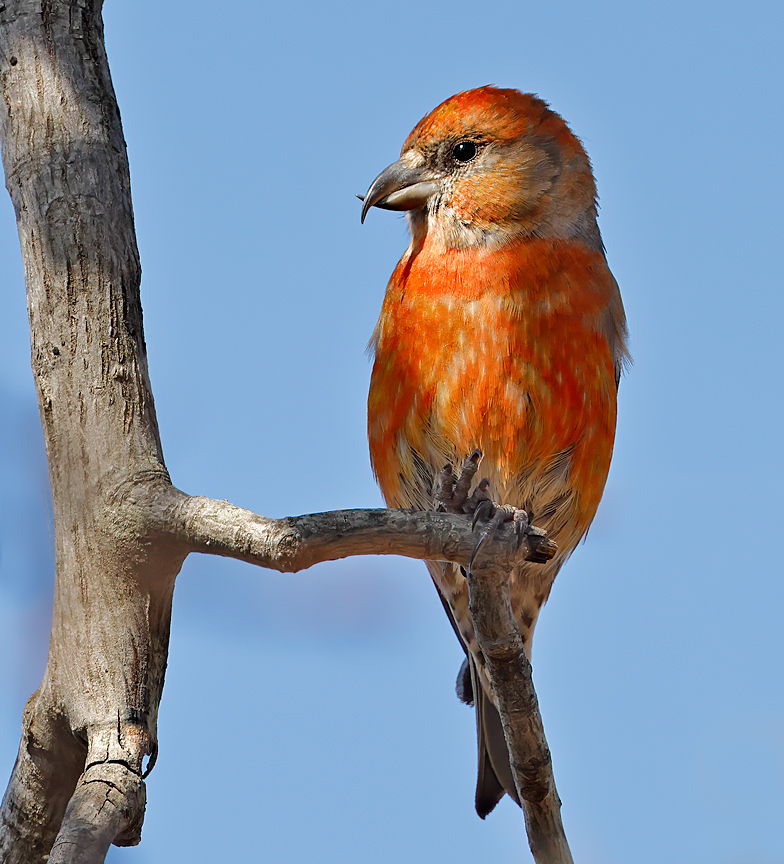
(494, 774)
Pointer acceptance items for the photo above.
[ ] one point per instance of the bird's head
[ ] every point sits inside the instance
(488, 166)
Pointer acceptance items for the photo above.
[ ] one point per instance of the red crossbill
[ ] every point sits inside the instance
(502, 329)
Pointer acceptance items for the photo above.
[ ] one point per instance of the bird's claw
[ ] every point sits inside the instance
(452, 495)
(496, 515)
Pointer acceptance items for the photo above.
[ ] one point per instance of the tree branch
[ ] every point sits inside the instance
(298, 542)
(106, 807)
(510, 673)
(295, 543)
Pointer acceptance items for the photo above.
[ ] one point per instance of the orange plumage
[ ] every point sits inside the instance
(502, 329)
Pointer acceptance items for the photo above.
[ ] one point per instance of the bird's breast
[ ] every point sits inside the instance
(500, 350)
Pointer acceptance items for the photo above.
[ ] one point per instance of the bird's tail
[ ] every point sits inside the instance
(494, 773)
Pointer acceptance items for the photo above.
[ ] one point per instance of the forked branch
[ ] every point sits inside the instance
(121, 529)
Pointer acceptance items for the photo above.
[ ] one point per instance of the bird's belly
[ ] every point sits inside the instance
(546, 435)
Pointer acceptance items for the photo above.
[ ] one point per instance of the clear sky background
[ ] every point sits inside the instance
(312, 717)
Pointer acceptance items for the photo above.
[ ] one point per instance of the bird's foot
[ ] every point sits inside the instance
(453, 497)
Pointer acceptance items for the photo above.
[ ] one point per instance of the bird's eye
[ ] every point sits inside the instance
(464, 151)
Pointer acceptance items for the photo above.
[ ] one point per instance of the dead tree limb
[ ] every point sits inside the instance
(510, 673)
(122, 530)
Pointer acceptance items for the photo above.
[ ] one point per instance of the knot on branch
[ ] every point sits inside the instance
(535, 775)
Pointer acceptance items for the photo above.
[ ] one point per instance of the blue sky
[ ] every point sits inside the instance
(312, 717)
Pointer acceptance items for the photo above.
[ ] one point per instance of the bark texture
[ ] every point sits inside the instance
(67, 174)
(122, 530)
(510, 671)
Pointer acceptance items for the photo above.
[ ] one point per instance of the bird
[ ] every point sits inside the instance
(502, 330)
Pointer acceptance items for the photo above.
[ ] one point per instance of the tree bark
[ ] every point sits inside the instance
(67, 174)
(510, 672)
(122, 530)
